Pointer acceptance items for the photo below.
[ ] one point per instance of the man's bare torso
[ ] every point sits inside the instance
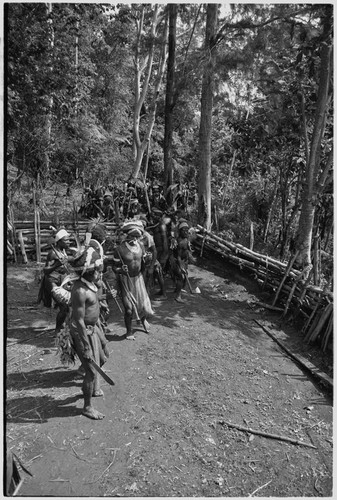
(84, 297)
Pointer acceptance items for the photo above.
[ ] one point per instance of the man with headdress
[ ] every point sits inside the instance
(84, 325)
(128, 265)
(180, 257)
(56, 269)
(134, 209)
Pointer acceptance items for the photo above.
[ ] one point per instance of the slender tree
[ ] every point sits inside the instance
(205, 133)
(315, 175)
(169, 98)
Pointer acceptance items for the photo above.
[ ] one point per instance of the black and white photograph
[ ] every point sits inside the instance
(169, 258)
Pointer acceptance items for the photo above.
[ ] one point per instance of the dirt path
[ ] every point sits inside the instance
(205, 362)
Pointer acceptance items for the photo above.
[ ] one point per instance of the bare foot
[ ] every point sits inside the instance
(179, 299)
(98, 393)
(90, 412)
(146, 325)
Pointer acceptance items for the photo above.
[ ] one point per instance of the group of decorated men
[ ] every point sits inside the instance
(115, 203)
(147, 249)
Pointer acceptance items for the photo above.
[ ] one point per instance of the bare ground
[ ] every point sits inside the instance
(204, 363)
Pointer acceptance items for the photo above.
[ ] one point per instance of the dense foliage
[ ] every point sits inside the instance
(71, 100)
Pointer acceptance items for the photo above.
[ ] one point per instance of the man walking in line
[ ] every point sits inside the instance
(128, 265)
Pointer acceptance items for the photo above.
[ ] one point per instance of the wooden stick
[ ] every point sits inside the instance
(22, 247)
(327, 334)
(290, 265)
(267, 434)
(291, 294)
(202, 244)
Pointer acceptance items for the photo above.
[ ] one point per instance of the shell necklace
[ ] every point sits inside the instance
(133, 248)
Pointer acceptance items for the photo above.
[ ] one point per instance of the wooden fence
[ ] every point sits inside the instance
(291, 293)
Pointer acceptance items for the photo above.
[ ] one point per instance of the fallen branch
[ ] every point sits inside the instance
(267, 434)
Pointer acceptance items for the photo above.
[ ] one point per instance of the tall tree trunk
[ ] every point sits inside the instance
(169, 102)
(312, 184)
(205, 132)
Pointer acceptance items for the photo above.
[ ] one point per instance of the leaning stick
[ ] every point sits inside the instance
(267, 434)
(22, 247)
(290, 265)
(188, 282)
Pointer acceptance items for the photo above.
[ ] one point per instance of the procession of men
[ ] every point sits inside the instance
(151, 243)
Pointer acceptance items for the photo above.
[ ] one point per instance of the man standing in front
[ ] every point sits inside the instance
(128, 265)
(84, 323)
